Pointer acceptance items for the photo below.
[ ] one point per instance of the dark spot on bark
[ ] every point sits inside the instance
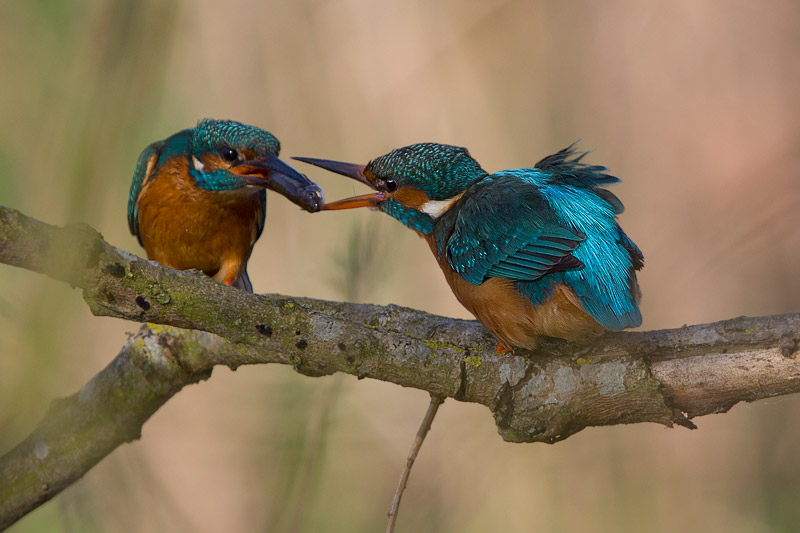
(462, 382)
(301, 345)
(94, 254)
(110, 298)
(504, 406)
(297, 332)
(361, 376)
(264, 330)
(141, 302)
(114, 270)
(788, 347)
(351, 359)
(341, 346)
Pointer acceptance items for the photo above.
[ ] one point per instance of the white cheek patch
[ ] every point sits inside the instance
(198, 165)
(436, 208)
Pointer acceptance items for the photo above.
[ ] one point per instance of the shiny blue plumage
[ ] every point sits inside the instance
(539, 227)
(408, 216)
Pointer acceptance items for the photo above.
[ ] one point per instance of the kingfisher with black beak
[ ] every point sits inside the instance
(198, 198)
(530, 252)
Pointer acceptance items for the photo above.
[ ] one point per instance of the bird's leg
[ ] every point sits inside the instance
(228, 273)
(502, 349)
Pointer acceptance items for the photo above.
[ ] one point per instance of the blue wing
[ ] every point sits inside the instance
(607, 285)
(262, 215)
(145, 167)
(504, 228)
(149, 160)
(544, 226)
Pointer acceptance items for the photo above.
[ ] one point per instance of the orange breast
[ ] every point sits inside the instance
(184, 227)
(511, 317)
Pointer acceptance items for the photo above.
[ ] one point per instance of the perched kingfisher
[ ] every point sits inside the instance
(198, 198)
(530, 252)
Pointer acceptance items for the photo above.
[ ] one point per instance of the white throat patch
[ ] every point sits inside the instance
(198, 165)
(436, 208)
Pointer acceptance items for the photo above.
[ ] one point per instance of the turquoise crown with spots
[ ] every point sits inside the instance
(441, 170)
(213, 135)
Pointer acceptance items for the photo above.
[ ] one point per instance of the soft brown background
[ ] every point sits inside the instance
(695, 104)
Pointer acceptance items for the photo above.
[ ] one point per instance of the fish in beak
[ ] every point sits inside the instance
(272, 173)
(353, 171)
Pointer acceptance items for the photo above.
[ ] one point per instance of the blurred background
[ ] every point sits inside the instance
(696, 105)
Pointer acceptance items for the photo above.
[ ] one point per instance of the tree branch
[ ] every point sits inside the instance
(78, 431)
(547, 395)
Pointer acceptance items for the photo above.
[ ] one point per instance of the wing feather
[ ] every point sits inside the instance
(145, 168)
(506, 229)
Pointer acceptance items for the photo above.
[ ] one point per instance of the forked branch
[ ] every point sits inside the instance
(666, 376)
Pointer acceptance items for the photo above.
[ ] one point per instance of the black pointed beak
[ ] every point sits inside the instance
(351, 170)
(274, 174)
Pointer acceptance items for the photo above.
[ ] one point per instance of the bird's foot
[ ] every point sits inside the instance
(502, 349)
(228, 274)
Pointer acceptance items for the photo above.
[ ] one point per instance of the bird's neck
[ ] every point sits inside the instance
(412, 218)
(432, 213)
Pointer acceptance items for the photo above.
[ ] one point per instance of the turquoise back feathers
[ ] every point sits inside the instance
(606, 285)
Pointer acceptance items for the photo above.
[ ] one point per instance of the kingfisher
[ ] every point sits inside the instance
(531, 252)
(198, 197)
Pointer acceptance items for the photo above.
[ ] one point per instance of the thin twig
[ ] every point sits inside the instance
(436, 401)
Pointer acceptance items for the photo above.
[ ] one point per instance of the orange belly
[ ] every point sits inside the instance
(184, 227)
(511, 317)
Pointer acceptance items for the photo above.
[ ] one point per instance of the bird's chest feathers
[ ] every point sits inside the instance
(187, 227)
(510, 316)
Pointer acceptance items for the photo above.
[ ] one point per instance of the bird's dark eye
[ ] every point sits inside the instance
(391, 185)
(229, 154)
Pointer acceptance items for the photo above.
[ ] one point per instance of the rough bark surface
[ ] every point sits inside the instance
(546, 395)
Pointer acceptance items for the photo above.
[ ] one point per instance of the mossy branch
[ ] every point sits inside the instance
(666, 376)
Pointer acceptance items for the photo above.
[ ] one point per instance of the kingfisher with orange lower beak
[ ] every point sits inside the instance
(198, 198)
(530, 252)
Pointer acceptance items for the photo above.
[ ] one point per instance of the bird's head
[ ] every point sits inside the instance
(415, 184)
(230, 156)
